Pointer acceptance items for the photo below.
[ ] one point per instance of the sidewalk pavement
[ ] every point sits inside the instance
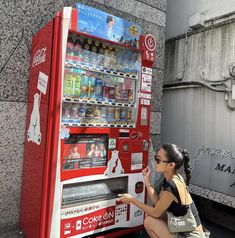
(216, 232)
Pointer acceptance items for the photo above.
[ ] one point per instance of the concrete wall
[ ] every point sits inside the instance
(19, 21)
(179, 12)
(199, 117)
(206, 54)
(192, 119)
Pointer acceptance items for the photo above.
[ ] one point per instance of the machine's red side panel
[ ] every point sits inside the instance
(36, 132)
(53, 129)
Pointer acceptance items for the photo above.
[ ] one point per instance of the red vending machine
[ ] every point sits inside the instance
(87, 129)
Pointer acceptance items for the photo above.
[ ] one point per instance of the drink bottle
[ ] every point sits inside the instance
(68, 82)
(91, 87)
(93, 53)
(69, 57)
(84, 86)
(86, 51)
(78, 56)
(98, 89)
(77, 84)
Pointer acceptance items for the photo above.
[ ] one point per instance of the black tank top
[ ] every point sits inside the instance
(177, 208)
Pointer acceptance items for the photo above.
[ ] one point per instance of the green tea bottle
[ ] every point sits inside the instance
(68, 82)
(77, 84)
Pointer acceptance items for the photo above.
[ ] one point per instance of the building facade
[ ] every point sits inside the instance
(198, 97)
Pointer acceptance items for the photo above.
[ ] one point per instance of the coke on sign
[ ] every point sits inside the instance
(99, 218)
(39, 57)
(104, 217)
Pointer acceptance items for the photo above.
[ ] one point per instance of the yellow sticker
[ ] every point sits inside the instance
(133, 30)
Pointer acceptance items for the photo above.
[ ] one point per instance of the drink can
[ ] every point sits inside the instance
(106, 92)
(123, 114)
(117, 93)
(111, 93)
(124, 95)
(66, 112)
(117, 114)
(129, 114)
(110, 114)
(97, 112)
(81, 111)
(130, 95)
(103, 113)
(89, 112)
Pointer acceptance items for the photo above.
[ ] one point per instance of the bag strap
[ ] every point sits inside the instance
(175, 190)
(180, 178)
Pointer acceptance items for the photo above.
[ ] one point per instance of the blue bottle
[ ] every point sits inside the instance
(98, 89)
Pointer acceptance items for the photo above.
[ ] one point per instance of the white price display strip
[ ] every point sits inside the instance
(146, 83)
(144, 95)
(145, 102)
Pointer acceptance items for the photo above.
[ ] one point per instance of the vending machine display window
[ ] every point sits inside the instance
(100, 81)
(88, 192)
(85, 151)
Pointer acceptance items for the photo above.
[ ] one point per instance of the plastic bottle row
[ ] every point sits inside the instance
(79, 113)
(99, 53)
(82, 84)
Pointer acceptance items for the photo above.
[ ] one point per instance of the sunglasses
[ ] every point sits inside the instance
(158, 161)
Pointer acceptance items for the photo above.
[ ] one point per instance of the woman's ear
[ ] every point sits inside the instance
(172, 165)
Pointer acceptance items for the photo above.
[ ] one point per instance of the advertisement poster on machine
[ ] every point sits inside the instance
(101, 24)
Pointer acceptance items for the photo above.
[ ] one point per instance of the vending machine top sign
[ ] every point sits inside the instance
(106, 26)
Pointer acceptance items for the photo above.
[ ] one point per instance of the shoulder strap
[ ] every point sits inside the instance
(181, 179)
(174, 190)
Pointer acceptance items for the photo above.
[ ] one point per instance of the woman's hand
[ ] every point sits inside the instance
(125, 198)
(146, 173)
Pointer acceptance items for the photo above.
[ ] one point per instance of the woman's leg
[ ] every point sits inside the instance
(157, 228)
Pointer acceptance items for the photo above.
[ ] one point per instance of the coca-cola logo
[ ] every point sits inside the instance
(39, 57)
(99, 218)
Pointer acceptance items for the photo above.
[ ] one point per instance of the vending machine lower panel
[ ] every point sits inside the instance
(94, 206)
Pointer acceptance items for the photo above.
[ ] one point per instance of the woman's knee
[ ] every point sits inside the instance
(148, 221)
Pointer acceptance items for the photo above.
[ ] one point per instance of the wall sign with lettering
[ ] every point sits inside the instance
(215, 169)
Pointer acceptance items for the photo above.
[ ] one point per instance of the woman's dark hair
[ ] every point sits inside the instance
(109, 19)
(180, 157)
